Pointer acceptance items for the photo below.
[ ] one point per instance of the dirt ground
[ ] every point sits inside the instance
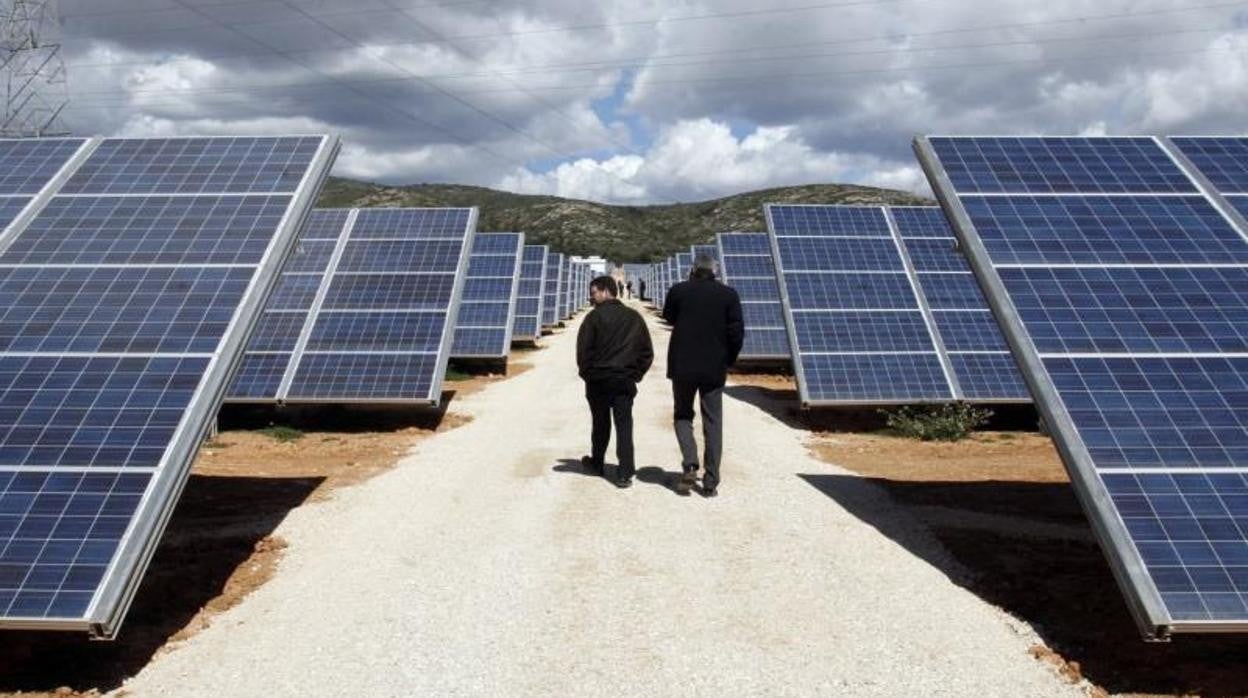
(1001, 505)
(219, 546)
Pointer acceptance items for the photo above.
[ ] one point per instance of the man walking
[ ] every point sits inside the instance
(613, 353)
(707, 333)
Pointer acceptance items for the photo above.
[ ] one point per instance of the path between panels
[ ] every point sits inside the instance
(487, 564)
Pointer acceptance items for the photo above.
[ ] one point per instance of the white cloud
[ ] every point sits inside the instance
(702, 159)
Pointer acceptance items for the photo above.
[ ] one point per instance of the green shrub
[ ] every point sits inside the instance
(948, 422)
(455, 375)
(283, 434)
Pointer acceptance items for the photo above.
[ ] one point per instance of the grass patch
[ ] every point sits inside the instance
(949, 422)
(454, 374)
(281, 433)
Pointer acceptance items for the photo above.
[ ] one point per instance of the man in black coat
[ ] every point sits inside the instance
(613, 353)
(707, 333)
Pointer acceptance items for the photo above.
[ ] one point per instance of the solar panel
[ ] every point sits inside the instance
(528, 324)
(123, 312)
(982, 365)
(860, 331)
(377, 302)
(711, 251)
(554, 286)
(487, 305)
(1119, 287)
(745, 258)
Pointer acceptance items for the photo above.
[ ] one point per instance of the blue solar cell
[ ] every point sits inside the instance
(10, 207)
(411, 223)
(390, 331)
(762, 315)
(492, 265)
(764, 343)
(880, 291)
(195, 165)
(487, 289)
(28, 164)
(294, 292)
(478, 341)
(1142, 412)
(846, 332)
(1104, 230)
(989, 376)
(390, 292)
(1240, 203)
(711, 251)
(952, 291)
(1188, 530)
(373, 377)
(277, 331)
(526, 327)
(554, 286)
(839, 254)
(259, 376)
(745, 244)
(74, 309)
(874, 377)
(747, 266)
(1060, 165)
(969, 330)
(325, 224)
(150, 230)
(528, 322)
(822, 221)
(1223, 160)
(94, 411)
(310, 256)
(61, 531)
(401, 256)
(487, 314)
(1134, 309)
(921, 222)
(936, 254)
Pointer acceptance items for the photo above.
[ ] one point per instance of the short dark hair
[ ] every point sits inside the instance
(605, 283)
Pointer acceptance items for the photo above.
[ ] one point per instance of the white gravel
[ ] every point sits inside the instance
(476, 568)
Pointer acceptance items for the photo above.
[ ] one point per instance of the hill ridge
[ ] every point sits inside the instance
(619, 232)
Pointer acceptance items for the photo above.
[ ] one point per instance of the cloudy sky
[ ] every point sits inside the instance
(640, 101)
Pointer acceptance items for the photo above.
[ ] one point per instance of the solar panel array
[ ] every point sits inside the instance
(554, 287)
(861, 286)
(1119, 270)
(745, 264)
(529, 292)
(131, 271)
(361, 313)
(487, 306)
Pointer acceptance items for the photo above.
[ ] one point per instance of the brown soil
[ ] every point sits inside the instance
(1001, 505)
(219, 545)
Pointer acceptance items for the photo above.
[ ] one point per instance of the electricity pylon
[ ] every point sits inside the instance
(32, 70)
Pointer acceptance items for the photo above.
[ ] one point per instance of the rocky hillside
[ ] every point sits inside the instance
(621, 233)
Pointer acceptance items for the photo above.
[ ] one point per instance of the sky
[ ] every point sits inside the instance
(647, 102)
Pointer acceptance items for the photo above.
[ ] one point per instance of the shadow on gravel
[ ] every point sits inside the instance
(219, 523)
(650, 475)
(1027, 548)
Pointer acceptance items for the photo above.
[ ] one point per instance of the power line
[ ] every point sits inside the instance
(896, 36)
(776, 77)
(763, 59)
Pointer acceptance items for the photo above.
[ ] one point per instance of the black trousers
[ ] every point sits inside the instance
(711, 405)
(608, 400)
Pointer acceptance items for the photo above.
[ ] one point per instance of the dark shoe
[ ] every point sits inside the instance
(709, 492)
(624, 483)
(685, 484)
(589, 466)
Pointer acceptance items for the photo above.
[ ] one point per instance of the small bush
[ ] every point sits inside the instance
(948, 422)
(283, 434)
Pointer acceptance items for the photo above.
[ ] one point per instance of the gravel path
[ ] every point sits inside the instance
(483, 566)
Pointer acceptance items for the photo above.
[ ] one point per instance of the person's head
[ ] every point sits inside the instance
(602, 289)
(703, 267)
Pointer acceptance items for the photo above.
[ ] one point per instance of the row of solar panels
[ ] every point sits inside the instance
(360, 313)
(141, 278)
(879, 303)
(1109, 276)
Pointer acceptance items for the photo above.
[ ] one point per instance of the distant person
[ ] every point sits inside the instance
(613, 353)
(628, 290)
(642, 288)
(707, 333)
